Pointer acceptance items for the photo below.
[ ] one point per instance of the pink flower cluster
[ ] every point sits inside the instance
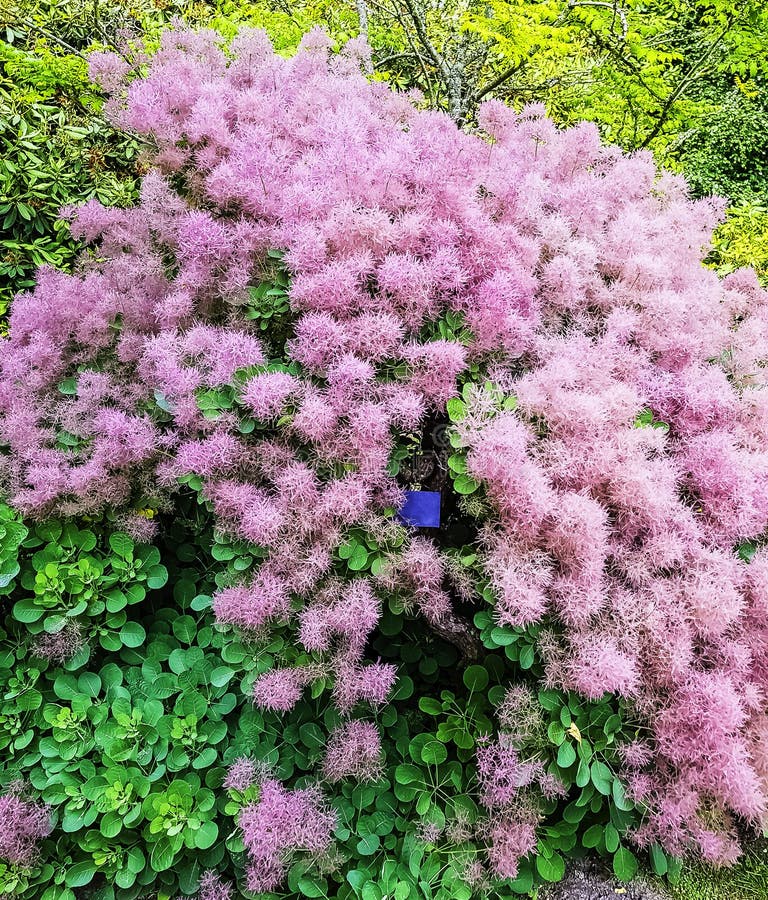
(635, 463)
(353, 751)
(24, 824)
(279, 825)
(577, 270)
(212, 887)
(504, 782)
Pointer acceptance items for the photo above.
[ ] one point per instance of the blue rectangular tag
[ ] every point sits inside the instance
(421, 509)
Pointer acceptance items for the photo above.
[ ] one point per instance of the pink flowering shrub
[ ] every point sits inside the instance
(614, 470)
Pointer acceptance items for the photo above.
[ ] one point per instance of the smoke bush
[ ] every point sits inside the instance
(617, 490)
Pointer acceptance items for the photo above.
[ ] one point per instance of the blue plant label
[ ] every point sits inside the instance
(421, 509)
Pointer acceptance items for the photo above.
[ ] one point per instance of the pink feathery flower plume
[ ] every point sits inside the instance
(280, 824)
(25, 824)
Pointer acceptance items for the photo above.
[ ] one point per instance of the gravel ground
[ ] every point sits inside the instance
(589, 880)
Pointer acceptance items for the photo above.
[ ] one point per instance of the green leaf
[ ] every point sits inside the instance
(456, 409)
(527, 656)
(464, 484)
(405, 773)
(658, 860)
(205, 759)
(551, 868)
(619, 797)
(523, 884)
(89, 683)
(430, 706)
(132, 634)
(434, 752)
(624, 864)
(157, 577)
(162, 855)
(121, 544)
(359, 558)
(556, 733)
(68, 386)
(312, 736)
(184, 629)
(602, 777)
(25, 611)
(476, 678)
(503, 637)
(80, 874)
(592, 836)
(312, 886)
(221, 676)
(566, 755)
(582, 774)
(368, 845)
(206, 835)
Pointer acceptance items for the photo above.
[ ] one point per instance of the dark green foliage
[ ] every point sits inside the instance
(55, 149)
(727, 153)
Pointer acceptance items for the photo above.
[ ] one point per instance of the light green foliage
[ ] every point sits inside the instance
(71, 579)
(747, 880)
(286, 23)
(742, 240)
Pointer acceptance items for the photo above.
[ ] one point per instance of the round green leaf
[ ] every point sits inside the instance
(206, 835)
(476, 678)
(552, 868)
(80, 874)
(434, 753)
(368, 845)
(184, 629)
(566, 755)
(132, 634)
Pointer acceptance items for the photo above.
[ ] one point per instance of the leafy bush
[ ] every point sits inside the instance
(55, 149)
(132, 747)
(520, 320)
(742, 240)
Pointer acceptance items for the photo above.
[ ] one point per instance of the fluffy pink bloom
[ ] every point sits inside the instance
(510, 841)
(212, 887)
(241, 774)
(599, 666)
(435, 368)
(278, 825)
(62, 645)
(353, 751)
(370, 683)
(353, 613)
(500, 772)
(25, 823)
(265, 598)
(266, 394)
(280, 689)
